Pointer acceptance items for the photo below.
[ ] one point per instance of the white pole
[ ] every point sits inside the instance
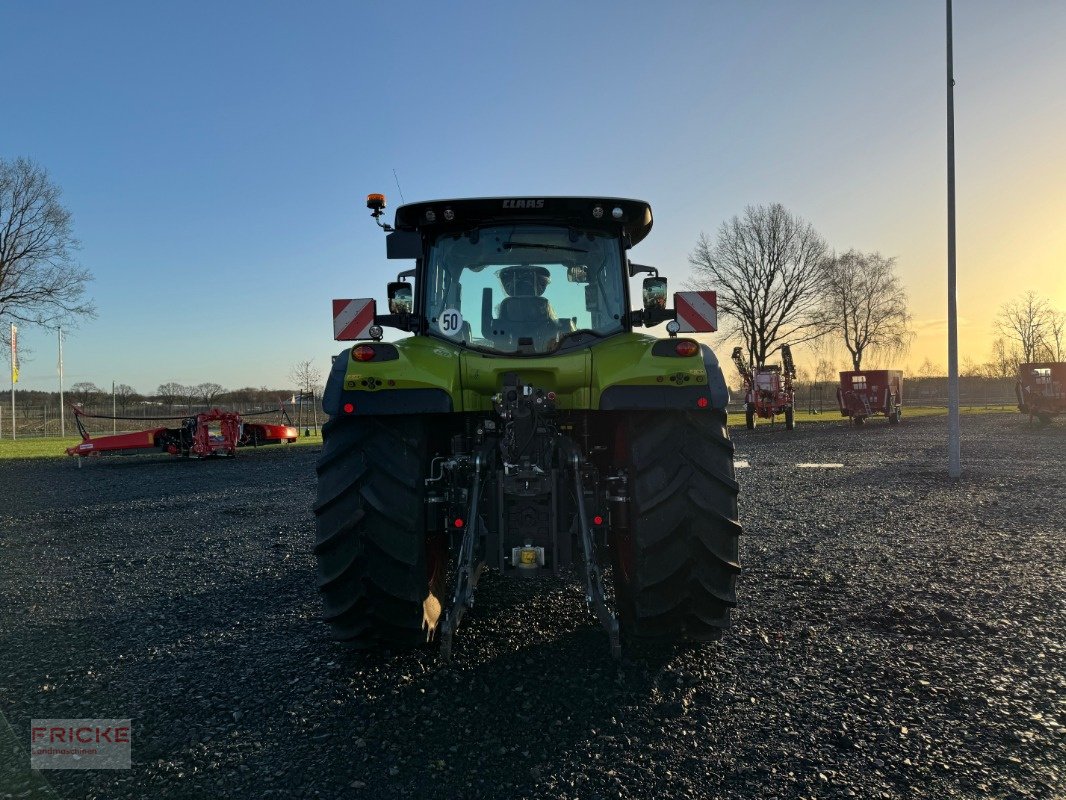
(954, 447)
(62, 409)
(114, 422)
(14, 357)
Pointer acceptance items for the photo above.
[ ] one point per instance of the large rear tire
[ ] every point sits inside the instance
(381, 576)
(676, 566)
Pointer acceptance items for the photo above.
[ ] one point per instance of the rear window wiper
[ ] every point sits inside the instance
(511, 245)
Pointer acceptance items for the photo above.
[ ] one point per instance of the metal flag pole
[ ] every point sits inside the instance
(954, 449)
(14, 374)
(62, 410)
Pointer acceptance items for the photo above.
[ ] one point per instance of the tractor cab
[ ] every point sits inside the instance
(524, 276)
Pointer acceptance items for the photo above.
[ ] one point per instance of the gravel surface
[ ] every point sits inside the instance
(899, 636)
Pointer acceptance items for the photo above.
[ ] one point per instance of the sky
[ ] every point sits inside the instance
(216, 156)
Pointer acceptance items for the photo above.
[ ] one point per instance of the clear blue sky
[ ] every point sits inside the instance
(216, 156)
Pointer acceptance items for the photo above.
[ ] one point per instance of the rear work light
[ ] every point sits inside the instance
(686, 347)
(363, 352)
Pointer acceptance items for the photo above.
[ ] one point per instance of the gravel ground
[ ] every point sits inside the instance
(899, 636)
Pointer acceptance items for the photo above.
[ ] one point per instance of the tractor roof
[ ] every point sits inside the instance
(633, 217)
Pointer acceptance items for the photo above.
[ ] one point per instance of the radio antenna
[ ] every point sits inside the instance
(402, 198)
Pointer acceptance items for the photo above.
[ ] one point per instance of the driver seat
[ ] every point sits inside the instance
(528, 317)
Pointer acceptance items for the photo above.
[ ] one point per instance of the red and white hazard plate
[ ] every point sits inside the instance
(697, 312)
(352, 319)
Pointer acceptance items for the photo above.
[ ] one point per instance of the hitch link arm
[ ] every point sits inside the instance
(594, 594)
(466, 572)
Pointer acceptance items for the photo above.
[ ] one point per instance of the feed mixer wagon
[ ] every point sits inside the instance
(1041, 390)
(871, 392)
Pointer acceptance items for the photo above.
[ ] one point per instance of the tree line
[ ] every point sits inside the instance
(778, 282)
(173, 396)
(168, 398)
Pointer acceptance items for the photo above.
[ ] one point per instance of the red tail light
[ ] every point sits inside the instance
(597, 520)
(458, 522)
(702, 402)
(363, 352)
(686, 348)
(348, 408)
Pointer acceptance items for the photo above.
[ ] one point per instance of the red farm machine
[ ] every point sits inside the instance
(869, 392)
(768, 389)
(1041, 389)
(210, 433)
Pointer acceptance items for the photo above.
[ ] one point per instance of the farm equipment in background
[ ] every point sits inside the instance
(870, 392)
(210, 433)
(1041, 390)
(768, 389)
(528, 426)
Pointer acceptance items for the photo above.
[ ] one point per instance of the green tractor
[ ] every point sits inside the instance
(524, 425)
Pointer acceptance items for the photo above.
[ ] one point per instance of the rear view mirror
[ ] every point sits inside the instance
(577, 273)
(401, 298)
(655, 294)
(655, 301)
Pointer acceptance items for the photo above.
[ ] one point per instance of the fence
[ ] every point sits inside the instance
(43, 419)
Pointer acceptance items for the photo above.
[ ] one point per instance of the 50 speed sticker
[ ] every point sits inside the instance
(450, 322)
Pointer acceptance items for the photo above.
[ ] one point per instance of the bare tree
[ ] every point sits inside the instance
(40, 282)
(306, 376)
(124, 393)
(1005, 360)
(170, 393)
(825, 372)
(208, 393)
(1027, 321)
(85, 393)
(867, 304)
(927, 369)
(767, 268)
(971, 369)
(1056, 336)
